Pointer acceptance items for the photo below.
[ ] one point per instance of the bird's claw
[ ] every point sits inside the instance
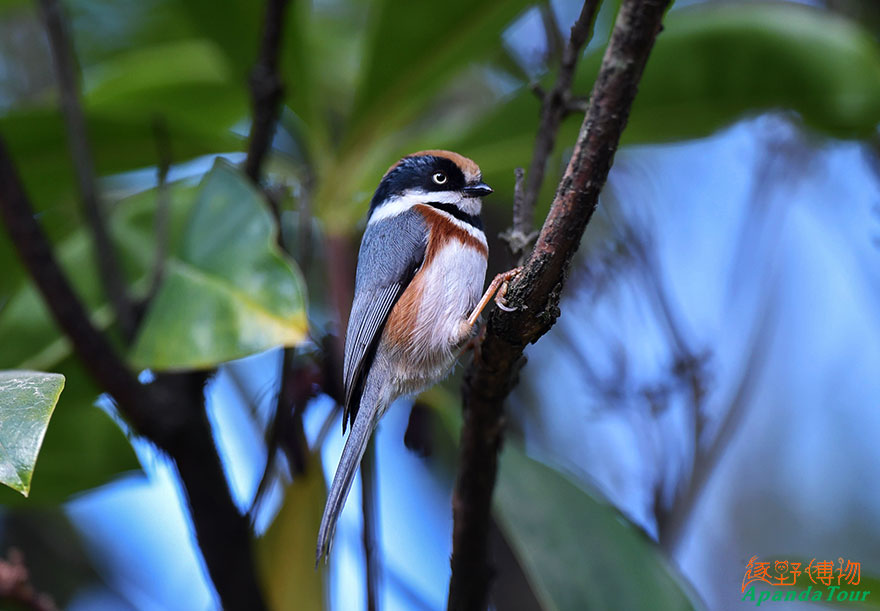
(500, 296)
(500, 300)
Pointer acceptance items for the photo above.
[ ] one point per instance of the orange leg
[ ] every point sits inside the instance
(497, 289)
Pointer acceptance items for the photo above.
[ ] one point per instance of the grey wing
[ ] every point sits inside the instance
(391, 253)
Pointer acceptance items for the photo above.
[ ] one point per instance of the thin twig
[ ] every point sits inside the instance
(64, 60)
(267, 93)
(296, 385)
(535, 295)
(299, 383)
(519, 197)
(326, 427)
(517, 241)
(765, 219)
(554, 108)
(552, 32)
(267, 90)
(369, 506)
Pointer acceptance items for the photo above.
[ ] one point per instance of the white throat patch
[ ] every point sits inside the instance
(401, 203)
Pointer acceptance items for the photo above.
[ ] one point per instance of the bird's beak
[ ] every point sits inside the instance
(478, 190)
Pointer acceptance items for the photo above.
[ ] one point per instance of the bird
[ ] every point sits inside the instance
(420, 274)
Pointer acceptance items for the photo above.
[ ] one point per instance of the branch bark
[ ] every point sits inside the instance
(169, 412)
(535, 294)
(63, 58)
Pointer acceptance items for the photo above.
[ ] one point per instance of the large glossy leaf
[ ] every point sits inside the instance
(284, 552)
(83, 449)
(186, 82)
(104, 30)
(27, 399)
(233, 25)
(714, 63)
(228, 292)
(559, 531)
(27, 330)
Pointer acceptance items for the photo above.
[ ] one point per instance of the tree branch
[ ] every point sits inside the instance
(63, 58)
(266, 89)
(535, 295)
(267, 92)
(97, 354)
(554, 108)
(169, 412)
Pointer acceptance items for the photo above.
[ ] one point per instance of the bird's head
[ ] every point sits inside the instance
(433, 176)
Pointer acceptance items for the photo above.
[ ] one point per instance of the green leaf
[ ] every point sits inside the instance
(229, 292)
(716, 63)
(414, 49)
(104, 30)
(187, 82)
(284, 552)
(233, 25)
(579, 552)
(38, 144)
(84, 448)
(28, 332)
(27, 399)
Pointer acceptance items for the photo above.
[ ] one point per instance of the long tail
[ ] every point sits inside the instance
(371, 407)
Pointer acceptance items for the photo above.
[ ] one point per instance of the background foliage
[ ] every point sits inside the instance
(165, 83)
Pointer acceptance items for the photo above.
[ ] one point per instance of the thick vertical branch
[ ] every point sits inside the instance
(63, 58)
(535, 295)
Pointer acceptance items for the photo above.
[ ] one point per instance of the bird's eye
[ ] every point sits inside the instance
(439, 178)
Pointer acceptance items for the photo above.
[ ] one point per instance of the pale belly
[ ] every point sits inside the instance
(453, 286)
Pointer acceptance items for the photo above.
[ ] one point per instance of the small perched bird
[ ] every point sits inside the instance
(421, 269)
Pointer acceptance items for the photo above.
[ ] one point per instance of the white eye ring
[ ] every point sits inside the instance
(439, 178)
